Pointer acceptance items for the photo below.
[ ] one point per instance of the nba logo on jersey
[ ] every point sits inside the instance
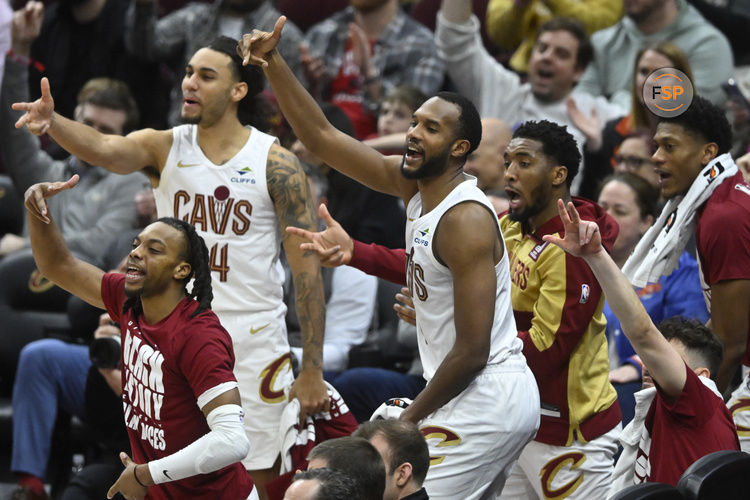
(585, 292)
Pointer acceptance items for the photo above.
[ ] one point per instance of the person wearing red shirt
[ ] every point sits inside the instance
(180, 397)
(687, 419)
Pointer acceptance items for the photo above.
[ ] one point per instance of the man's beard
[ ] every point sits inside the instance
(429, 168)
(539, 200)
(190, 120)
(133, 294)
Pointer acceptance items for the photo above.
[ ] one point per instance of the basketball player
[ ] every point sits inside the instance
(180, 397)
(480, 405)
(239, 188)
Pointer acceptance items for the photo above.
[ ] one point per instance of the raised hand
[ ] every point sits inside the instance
(334, 246)
(255, 47)
(361, 51)
(582, 238)
(589, 125)
(36, 194)
(314, 67)
(26, 25)
(38, 114)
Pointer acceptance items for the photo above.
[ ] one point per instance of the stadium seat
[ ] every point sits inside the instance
(649, 491)
(722, 474)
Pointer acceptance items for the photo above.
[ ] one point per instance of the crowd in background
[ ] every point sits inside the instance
(118, 66)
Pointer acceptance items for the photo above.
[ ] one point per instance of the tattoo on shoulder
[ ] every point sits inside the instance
(288, 187)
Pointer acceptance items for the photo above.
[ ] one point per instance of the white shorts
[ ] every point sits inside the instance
(477, 436)
(739, 407)
(579, 471)
(264, 372)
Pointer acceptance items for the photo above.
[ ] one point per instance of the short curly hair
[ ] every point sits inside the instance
(556, 141)
(706, 120)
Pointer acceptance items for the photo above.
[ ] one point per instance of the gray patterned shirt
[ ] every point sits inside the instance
(178, 35)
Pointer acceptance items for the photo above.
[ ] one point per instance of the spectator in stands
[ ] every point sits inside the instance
(561, 53)
(405, 454)
(394, 118)
(178, 35)
(78, 41)
(361, 53)
(651, 21)
(631, 201)
(87, 216)
(304, 17)
(634, 156)
(686, 419)
(513, 24)
(357, 459)
(322, 484)
(6, 18)
(486, 162)
(602, 142)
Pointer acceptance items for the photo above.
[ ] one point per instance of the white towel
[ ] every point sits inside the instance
(658, 252)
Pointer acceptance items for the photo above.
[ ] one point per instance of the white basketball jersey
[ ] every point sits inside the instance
(231, 209)
(431, 285)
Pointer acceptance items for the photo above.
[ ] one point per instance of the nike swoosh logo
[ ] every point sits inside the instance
(185, 165)
(410, 219)
(165, 473)
(256, 330)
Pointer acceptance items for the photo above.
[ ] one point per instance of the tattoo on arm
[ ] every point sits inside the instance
(289, 190)
(287, 185)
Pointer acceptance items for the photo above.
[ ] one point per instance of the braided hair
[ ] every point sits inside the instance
(196, 254)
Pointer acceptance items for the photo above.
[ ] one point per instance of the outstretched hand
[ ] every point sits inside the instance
(38, 114)
(35, 196)
(255, 47)
(582, 238)
(334, 246)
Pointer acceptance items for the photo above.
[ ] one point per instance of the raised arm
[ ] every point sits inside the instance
(467, 242)
(142, 149)
(288, 187)
(582, 239)
(343, 153)
(53, 258)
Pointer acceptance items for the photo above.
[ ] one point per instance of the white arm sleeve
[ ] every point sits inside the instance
(224, 445)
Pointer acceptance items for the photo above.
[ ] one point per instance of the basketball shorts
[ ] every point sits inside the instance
(477, 436)
(264, 374)
(579, 471)
(739, 407)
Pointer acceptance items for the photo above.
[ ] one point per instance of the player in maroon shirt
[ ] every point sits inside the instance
(182, 405)
(687, 419)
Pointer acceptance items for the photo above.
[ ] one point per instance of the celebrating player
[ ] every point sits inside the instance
(173, 348)
(238, 187)
(480, 405)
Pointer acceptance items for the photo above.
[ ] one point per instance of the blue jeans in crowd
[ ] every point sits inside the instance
(51, 374)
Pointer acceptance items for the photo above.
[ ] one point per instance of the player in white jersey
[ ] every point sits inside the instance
(480, 405)
(239, 188)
